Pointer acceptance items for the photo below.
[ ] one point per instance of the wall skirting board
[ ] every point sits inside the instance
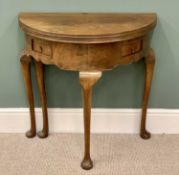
(16, 120)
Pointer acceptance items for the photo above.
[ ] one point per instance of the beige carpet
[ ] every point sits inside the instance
(61, 154)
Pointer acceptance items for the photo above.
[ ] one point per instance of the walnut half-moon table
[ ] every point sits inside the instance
(89, 43)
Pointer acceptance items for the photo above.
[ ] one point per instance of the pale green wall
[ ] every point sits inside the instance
(121, 87)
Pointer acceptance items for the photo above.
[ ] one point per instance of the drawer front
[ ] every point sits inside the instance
(131, 47)
(40, 46)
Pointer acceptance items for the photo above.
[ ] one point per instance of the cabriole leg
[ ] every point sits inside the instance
(41, 86)
(149, 62)
(25, 65)
(87, 80)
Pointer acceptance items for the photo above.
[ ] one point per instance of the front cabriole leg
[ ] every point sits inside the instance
(149, 63)
(26, 61)
(87, 80)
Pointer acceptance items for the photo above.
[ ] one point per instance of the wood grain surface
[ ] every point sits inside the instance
(87, 27)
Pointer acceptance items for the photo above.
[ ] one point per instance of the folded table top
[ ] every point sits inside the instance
(87, 27)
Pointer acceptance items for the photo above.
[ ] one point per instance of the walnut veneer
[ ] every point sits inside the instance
(89, 43)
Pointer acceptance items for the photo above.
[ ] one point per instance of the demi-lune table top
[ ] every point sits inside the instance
(87, 27)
